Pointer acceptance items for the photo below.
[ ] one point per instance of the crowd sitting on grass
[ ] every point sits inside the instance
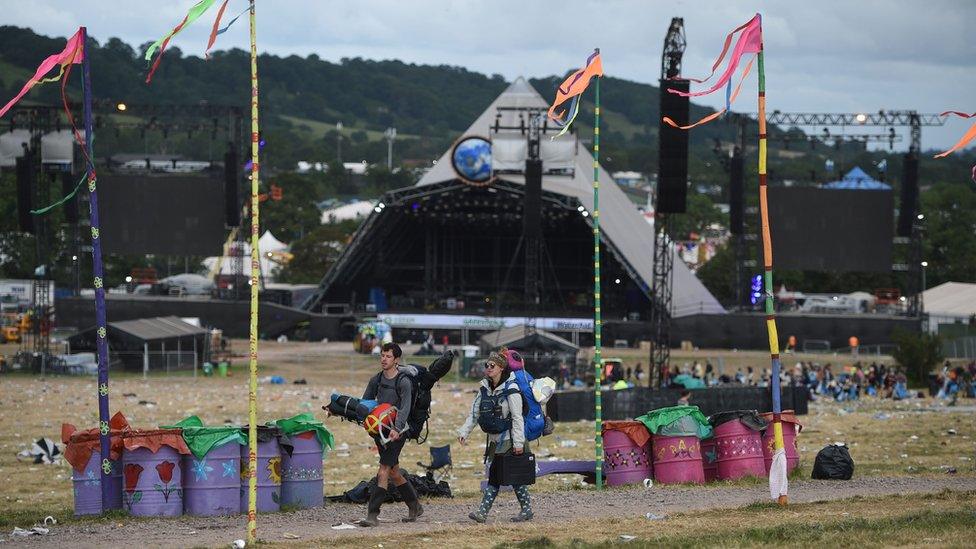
(840, 383)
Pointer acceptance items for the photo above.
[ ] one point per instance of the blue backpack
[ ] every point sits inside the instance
(535, 420)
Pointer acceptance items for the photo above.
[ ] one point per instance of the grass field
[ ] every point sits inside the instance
(943, 520)
(909, 438)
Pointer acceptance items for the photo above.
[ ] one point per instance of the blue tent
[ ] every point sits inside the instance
(859, 180)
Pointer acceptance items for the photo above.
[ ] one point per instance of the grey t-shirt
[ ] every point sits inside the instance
(384, 390)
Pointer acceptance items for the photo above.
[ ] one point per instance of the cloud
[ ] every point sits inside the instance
(827, 56)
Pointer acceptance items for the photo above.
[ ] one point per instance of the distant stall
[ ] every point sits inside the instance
(160, 343)
(543, 351)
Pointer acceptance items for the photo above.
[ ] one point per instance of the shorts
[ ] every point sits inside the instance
(390, 454)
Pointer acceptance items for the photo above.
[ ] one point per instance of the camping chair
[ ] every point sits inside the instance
(441, 464)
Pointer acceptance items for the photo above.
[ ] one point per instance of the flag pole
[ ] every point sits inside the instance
(768, 288)
(252, 428)
(101, 341)
(597, 327)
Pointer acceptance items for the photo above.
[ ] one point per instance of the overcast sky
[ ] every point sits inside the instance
(824, 56)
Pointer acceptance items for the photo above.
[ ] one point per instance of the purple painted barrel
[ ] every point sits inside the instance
(153, 482)
(301, 472)
(212, 484)
(624, 462)
(677, 459)
(739, 450)
(88, 486)
(269, 477)
(709, 456)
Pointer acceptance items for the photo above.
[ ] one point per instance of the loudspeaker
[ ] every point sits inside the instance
(908, 208)
(25, 192)
(736, 194)
(672, 177)
(70, 206)
(532, 204)
(232, 179)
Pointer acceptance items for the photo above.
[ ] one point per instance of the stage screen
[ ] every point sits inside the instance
(166, 215)
(831, 230)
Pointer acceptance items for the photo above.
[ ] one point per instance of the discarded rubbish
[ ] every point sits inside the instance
(568, 443)
(344, 526)
(625, 537)
(652, 516)
(648, 483)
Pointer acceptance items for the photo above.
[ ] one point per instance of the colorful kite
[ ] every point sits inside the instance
(73, 52)
(750, 41)
(573, 87)
(195, 12)
(965, 139)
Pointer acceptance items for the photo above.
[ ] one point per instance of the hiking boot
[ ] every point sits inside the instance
(376, 499)
(524, 516)
(478, 517)
(409, 496)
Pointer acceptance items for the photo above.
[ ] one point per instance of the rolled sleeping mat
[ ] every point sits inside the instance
(350, 408)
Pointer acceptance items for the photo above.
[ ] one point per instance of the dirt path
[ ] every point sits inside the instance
(316, 524)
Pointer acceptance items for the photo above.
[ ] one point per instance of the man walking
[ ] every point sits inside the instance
(392, 386)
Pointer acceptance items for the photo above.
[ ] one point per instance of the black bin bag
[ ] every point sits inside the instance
(833, 463)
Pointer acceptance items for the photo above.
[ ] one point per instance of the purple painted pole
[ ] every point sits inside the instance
(101, 341)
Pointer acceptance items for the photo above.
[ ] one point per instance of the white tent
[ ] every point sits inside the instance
(949, 302)
(625, 231)
(268, 245)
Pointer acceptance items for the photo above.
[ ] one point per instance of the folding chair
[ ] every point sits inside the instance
(441, 464)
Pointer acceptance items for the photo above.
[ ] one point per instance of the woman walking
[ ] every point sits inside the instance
(497, 409)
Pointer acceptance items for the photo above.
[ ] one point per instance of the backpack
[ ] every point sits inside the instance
(490, 411)
(420, 386)
(536, 422)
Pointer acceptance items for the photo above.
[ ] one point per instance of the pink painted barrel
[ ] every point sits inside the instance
(153, 482)
(88, 486)
(709, 456)
(624, 462)
(211, 484)
(302, 484)
(677, 459)
(269, 477)
(739, 451)
(791, 428)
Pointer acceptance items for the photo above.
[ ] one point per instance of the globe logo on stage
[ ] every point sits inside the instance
(471, 159)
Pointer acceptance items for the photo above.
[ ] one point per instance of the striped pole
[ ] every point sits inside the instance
(597, 326)
(101, 341)
(768, 272)
(252, 397)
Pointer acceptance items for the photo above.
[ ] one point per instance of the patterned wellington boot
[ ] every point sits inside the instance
(522, 493)
(481, 514)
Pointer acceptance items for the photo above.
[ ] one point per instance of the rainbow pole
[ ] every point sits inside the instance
(768, 282)
(101, 342)
(597, 327)
(252, 397)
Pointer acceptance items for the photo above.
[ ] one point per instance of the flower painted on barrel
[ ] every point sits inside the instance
(131, 473)
(274, 470)
(165, 471)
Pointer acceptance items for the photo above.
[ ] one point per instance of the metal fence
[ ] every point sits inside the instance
(962, 347)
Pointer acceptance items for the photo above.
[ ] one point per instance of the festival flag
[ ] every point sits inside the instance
(195, 12)
(965, 139)
(750, 41)
(73, 52)
(573, 87)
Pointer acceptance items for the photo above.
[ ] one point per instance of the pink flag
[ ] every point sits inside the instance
(750, 41)
(72, 53)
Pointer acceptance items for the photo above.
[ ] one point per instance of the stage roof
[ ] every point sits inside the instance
(623, 226)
